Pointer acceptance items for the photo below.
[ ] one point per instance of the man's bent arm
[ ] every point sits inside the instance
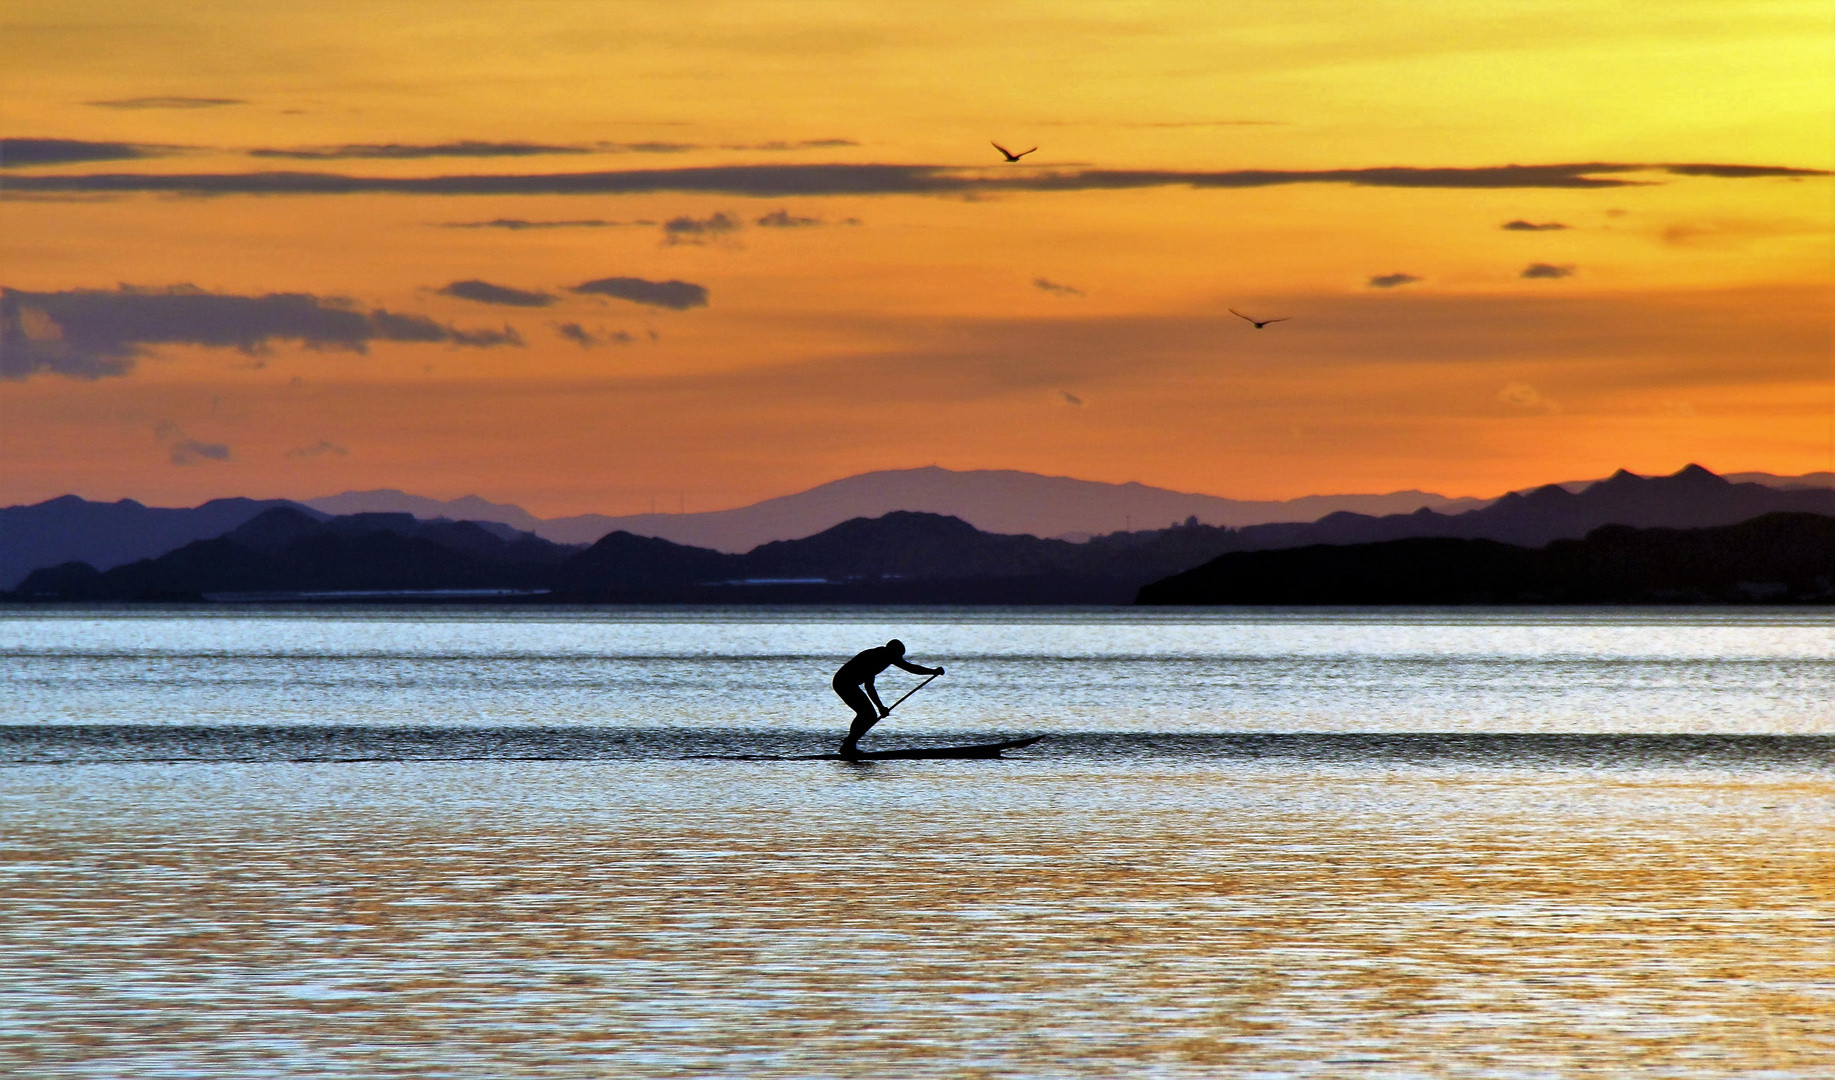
(915, 670)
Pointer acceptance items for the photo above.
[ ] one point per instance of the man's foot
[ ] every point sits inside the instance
(849, 750)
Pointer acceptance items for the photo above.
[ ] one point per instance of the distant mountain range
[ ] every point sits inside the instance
(993, 500)
(901, 557)
(290, 550)
(110, 534)
(70, 529)
(1777, 558)
(1690, 498)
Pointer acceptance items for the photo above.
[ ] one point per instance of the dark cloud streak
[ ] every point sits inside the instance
(1547, 270)
(192, 452)
(21, 153)
(518, 224)
(1519, 225)
(775, 181)
(1740, 172)
(484, 292)
(167, 103)
(800, 144)
(678, 295)
(784, 219)
(690, 230)
(409, 151)
(586, 339)
(94, 333)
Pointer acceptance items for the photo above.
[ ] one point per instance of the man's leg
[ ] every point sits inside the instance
(865, 715)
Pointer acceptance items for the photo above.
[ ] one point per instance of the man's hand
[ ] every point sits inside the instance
(884, 712)
(936, 671)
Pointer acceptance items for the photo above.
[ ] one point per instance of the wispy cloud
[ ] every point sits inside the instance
(470, 148)
(678, 295)
(192, 452)
(1161, 123)
(482, 148)
(586, 339)
(167, 103)
(1519, 225)
(692, 230)
(323, 448)
(1547, 270)
(783, 219)
(20, 153)
(1390, 281)
(1740, 172)
(800, 144)
(840, 179)
(1055, 288)
(1525, 396)
(93, 333)
(484, 292)
(518, 224)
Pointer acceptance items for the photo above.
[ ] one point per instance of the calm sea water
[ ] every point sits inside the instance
(477, 843)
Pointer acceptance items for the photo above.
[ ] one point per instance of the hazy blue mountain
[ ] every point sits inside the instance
(294, 549)
(993, 500)
(1776, 558)
(71, 529)
(389, 500)
(1806, 480)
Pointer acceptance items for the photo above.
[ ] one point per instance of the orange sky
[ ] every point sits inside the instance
(1067, 315)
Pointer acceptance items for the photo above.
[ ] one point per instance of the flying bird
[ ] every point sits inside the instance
(1010, 155)
(1258, 323)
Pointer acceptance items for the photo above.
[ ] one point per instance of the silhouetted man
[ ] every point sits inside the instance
(854, 683)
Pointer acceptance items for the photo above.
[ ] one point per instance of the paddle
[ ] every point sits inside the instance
(908, 693)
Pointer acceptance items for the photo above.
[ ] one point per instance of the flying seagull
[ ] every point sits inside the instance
(1010, 155)
(1259, 323)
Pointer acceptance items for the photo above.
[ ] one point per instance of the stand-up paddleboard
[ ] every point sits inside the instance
(981, 751)
(922, 753)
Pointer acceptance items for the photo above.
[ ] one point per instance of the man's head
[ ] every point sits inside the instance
(895, 647)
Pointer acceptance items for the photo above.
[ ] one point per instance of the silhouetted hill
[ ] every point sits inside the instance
(1777, 558)
(625, 566)
(70, 529)
(898, 558)
(902, 557)
(288, 550)
(1691, 498)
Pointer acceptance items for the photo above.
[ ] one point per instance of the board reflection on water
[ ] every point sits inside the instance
(1627, 875)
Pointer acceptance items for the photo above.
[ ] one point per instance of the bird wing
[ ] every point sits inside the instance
(1283, 318)
(1239, 314)
(1000, 148)
(1023, 153)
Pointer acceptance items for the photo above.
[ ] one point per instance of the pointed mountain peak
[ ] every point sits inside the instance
(1698, 474)
(1547, 493)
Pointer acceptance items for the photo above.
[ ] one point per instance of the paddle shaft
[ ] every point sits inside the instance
(908, 693)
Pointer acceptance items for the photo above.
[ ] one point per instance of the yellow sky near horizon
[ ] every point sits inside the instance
(1084, 331)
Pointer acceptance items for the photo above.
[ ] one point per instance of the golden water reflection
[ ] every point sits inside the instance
(916, 919)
